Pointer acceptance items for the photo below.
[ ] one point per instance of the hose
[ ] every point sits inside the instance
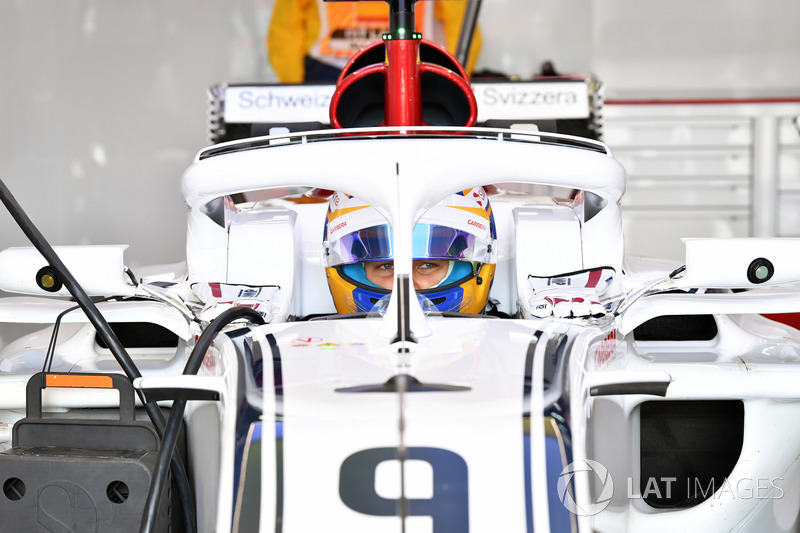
(104, 330)
(167, 449)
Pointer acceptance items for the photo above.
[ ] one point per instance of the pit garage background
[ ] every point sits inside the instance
(103, 105)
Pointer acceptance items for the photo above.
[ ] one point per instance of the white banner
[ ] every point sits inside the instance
(531, 100)
(278, 103)
(496, 100)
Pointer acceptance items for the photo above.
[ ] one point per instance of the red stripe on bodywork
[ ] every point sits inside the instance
(216, 291)
(790, 319)
(594, 278)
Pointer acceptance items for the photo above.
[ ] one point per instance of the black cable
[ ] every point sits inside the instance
(46, 368)
(130, 275)
(467, 31)
(167, 449)
(51, 348)
(677, 271)
(104, 329)
(77, 292)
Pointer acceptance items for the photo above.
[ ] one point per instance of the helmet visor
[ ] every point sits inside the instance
(368, 244)
(430, 241)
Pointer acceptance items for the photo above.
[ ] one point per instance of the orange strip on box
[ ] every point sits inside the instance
(70, 380)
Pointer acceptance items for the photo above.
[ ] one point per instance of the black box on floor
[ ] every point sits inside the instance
(68, 473)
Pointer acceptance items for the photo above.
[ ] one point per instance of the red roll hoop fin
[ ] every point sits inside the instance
(403, 82)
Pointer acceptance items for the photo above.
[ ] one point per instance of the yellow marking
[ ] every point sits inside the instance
(340, 212)
(327, 346)
(477, 211)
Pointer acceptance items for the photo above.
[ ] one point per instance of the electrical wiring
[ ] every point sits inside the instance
(104, 330)
(167, 448)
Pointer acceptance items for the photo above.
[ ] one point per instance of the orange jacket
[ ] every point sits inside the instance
(297, 30)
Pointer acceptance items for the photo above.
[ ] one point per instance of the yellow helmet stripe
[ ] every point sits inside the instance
(344, 211)
(477, 211)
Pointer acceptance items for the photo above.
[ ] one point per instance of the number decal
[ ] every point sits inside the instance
(449, 506)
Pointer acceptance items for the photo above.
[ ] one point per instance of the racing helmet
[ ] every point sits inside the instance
(459, 229)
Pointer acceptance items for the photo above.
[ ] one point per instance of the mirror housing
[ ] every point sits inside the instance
(99, 269)
(740, 263)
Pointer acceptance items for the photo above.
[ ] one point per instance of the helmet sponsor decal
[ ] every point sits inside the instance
(337, 227)
(476, 224)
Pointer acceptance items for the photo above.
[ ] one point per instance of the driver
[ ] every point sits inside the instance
(453, 254)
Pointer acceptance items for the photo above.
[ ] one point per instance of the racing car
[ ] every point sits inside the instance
(300, 372)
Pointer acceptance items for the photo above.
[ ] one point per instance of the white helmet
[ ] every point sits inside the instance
(459, 229)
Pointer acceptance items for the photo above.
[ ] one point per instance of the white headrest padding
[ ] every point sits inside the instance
(548, 242)
(262, 251)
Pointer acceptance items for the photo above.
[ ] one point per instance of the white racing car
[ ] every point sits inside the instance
(385, 326)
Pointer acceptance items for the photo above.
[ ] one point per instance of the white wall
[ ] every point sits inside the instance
(643, 48)
(102, 102)
(520, 34)
(102, 107)
(690, 48)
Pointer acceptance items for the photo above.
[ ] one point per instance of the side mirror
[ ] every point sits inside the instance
(740, 263)
(98, 269)
(736, 263)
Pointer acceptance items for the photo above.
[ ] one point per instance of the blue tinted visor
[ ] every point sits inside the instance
(430, 241)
